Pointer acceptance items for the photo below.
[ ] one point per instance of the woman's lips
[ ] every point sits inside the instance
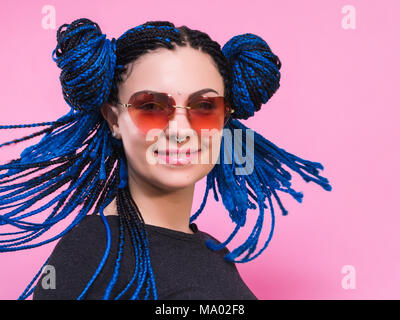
(176, 157)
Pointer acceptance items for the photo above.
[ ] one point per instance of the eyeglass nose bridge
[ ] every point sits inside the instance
(172, 114)
(182, 107)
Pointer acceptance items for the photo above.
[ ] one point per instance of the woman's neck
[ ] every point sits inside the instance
(168, 209)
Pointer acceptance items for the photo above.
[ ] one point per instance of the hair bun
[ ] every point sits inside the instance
(255, 73)
(87, 60)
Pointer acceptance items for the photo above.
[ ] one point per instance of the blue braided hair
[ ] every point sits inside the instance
(78, 154)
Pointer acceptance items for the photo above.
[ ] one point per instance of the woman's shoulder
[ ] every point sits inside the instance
(74, 259)
(89, 235)
(90, 229)
(208, 236)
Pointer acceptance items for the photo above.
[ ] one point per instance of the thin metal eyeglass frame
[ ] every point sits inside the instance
(127, 105)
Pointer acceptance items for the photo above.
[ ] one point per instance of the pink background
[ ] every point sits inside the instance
(336, 105)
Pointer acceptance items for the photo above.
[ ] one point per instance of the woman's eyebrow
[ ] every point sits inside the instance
(197, 93)
(191, 96)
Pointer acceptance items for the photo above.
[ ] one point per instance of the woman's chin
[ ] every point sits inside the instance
(174, 183)
(177, 177)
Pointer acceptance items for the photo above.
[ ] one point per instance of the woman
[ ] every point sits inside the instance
(149, 111)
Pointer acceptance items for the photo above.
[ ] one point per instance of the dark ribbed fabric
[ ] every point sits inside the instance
(184, 268)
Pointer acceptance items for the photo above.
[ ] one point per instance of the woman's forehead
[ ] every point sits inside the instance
(170, 68)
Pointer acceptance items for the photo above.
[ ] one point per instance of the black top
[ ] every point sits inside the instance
(183, 266)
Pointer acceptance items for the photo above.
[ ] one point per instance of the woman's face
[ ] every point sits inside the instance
(185, 70)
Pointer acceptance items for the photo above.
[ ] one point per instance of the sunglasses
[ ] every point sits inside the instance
(153, 110)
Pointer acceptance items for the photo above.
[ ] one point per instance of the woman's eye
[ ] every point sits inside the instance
(150, 107)
(205, 106)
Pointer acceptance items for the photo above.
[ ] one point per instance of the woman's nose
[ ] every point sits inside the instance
(179, 124)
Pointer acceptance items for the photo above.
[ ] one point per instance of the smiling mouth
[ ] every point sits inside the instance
(175, 157)
(176, 152)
